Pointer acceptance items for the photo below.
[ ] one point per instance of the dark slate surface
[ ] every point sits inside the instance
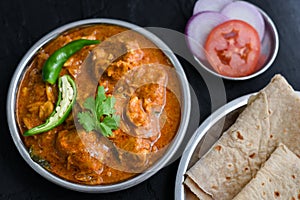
(22, 23)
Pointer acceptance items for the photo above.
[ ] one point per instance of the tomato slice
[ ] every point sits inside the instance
(233, 48)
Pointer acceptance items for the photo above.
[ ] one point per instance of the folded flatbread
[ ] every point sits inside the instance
(271, 117)
(196, 190)
(279, 178)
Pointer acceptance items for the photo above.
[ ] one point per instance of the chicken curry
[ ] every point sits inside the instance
(145, 89)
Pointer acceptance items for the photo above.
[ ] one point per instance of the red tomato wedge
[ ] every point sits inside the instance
(233, 48)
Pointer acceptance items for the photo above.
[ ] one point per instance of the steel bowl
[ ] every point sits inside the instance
(172, 148)
(269, 48)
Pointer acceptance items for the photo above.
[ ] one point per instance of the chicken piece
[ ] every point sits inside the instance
(136, 112)
(34, 107)
(149, 100)
(153, 96)
(114, 58)
(46, 109)
(131, 144)
(134, 53)
(117, 69)
(50, 94)
(133, 151)
(105, 54)
(140, 101)
(28, 123)
(71, 145)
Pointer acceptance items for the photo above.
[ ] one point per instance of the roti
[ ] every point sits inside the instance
(271, 117)
(279, 178)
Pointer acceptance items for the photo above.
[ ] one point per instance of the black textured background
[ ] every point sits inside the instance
(22, 23)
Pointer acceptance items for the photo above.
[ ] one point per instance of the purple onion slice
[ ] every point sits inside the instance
(246, 12)
(198, 28)
(210, 5)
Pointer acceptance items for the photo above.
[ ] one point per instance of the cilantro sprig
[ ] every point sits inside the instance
(100, 114)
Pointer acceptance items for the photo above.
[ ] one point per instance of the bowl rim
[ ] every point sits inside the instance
(274, 33)
(173, 146)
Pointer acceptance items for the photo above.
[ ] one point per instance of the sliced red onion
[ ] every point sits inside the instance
(246, 12)
(198, 28)
(210, 5)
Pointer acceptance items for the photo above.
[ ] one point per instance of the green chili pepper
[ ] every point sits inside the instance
(54, 63)
(66, 98)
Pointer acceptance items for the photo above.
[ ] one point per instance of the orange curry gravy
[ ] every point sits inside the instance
(66, 149)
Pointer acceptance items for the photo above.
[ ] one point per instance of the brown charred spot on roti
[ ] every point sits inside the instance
(271, 136)
(262, 184)
(239, 135)
(264, 193)
(228, 178)
(293, 176)
(252, 155)
(218, 148)
(270, 180)
(277, 194)
(214, 187)
(258, 127)
(246, 168)
(299, 196)
(270, 112)
(229, 165)
(293, 198)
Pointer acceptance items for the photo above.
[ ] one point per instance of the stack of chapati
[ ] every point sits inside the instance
(270, 118)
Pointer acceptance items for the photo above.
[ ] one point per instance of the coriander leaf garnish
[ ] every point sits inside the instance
(87, 121)
(100, 114)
